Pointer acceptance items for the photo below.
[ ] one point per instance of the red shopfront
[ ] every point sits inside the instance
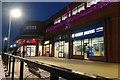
(30, 46)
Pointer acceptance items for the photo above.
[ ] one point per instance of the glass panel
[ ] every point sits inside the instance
(77, 47)
(64, 16)
(97, 48)
(74, 11)
(81, 7)
(31, 50)
(56, 49)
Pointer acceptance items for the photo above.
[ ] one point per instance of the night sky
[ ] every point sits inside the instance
(40, 11)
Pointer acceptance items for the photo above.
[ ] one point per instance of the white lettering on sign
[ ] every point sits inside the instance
(73, 35)
(99, 29)
(89, 32)
(79, 34)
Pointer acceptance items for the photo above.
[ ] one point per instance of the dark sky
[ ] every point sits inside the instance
(40, 11)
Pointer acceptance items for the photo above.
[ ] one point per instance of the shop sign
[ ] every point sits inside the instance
(87, 32)
(99, 29)
(47, 42)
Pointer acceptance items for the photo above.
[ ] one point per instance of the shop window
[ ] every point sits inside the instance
(90, 3)
(64, 16)
(58, 20)
(81, 7)
(97, 48)
(78, 47)
(55, 21)
(74, 11)
(89, 47)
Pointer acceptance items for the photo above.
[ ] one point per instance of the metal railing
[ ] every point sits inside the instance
(55, 71)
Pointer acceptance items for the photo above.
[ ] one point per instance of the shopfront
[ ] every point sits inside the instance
(89, 41)
(47, 48)
(61, 49)
(30, 50)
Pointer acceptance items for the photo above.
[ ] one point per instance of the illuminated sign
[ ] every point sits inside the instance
(47, 42)
(99, 29)
(31, 27)
(87, 32)
(79, 34)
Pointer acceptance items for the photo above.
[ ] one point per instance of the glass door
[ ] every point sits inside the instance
(28, 51)
(61, 49)
(86, 48)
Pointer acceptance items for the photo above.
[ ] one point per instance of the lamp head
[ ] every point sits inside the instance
(15, 13)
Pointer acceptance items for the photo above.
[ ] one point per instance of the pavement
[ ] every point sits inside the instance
(92, 68)
(104, 69)
(2, 75)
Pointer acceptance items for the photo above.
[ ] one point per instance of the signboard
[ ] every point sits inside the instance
(47, 42)
(89, 31)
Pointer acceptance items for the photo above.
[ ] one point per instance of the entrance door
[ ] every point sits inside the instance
(28, 51)
(61, 49)
(86, 48)
(47, 50)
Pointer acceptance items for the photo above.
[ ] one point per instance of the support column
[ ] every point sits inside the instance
(70, 44)
(42, 48)
(111, 39)
(52, 50)
(37, 48)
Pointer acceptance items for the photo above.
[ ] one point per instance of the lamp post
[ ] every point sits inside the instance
(5, 39)
(13, 13)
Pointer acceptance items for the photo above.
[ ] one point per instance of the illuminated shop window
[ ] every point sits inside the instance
(81, 7)
(55, 21)
(97, 48)
(74, 11)
(91, 2)
(64, 16)
(93, 46)
(58, 20)
(78, 47)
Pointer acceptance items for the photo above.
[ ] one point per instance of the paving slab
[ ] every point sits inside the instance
(104, 69)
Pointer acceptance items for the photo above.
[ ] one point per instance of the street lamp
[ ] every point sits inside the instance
(5, 39)
(13, 13)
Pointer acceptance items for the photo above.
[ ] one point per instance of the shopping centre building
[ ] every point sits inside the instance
(81, 30)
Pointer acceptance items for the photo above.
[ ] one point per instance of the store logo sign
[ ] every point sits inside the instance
(84, 33)
(47, 42)
(89, 32)
(99, 29)
(79, 34)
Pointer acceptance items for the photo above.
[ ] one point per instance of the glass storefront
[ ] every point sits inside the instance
(47, 48)
(30, 50)
(61, 49)
(40, 50)
(89, 41)
(89, 47)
